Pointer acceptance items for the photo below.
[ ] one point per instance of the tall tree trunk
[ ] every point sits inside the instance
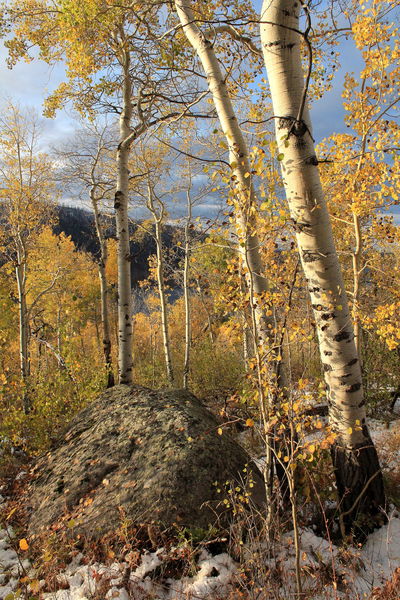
(357, 254)
(158, 219)
(358, 474)
(263, 323)
(357, 270)
(101, 264)
(186, 279)
(240, 165)
(24, 360)
(125, 360)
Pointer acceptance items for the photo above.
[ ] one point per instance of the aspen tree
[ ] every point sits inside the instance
(87, 164)
(26, 190)
(186, 291)
(358, 474)
(240, 168)
(263, 323)
(157, 209)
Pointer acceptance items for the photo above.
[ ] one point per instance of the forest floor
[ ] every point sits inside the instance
(181, 572)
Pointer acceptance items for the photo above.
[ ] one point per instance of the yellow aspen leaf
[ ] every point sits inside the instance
(11, 513)
(219, 430)
(311, 448)
(23, 544)
(349, 430)
(249, 423)
(34, 586)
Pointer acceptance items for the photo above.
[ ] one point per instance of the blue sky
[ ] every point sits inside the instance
(29, 84)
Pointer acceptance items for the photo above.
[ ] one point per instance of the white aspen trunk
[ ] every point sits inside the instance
(357, 469)
(158, 219)
(24, 360)
(358, 252)
(125, 360)
(239, 161)
(186, 278)
(357, 269)
(263, 323)
(209, 325)
(59, 343)
(101, 264)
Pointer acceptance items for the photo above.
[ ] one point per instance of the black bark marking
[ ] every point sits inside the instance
(309, 256)
(117, 199)
(298, 226)
(352, 362)
(354, 387)
(327, 316)
(343, 335)
(343, 378)
(327, 367)
(319, 307)
(327, 353)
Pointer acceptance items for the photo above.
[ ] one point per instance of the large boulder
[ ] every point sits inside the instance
(151, 457)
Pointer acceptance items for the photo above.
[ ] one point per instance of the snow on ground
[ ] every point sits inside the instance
(11, 567)
(357, 570)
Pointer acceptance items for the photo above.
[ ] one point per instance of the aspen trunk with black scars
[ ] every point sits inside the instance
(358, 474)
(125, 360)
(263, 326)
(101, 265)
(240, 166)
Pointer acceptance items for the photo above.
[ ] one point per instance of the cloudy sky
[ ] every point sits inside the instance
(29, 83)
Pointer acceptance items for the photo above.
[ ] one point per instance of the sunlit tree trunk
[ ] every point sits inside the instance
(357, 469)
(158, 217)
(239, 161)
(186, 279)
(262, 321)
(101, 265)
(24, 359)
(125, 360)
(357, 271)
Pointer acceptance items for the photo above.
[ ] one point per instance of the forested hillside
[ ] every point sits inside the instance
(199, 370)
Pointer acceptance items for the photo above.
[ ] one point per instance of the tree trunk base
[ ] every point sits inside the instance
(110, 379)
(360, 489)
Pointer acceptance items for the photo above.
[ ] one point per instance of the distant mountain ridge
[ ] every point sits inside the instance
(78, 224)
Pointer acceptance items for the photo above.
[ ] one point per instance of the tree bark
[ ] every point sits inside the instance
(186, 279)
(158, 219)
(125, 360)
(263, 322)
(240, 166)
(358, 475)
(101, 264)
(24, 360)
